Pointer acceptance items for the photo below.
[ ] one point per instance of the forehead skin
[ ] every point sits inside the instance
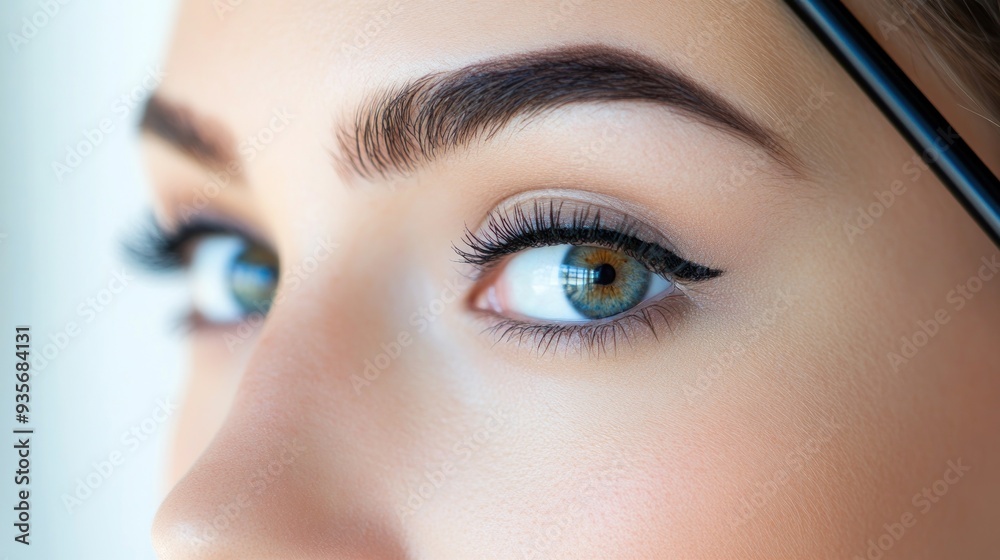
(319, 64)
(320, 59)
(621, 464)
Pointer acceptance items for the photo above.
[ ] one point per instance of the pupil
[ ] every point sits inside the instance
(604, 275)
(601, 283)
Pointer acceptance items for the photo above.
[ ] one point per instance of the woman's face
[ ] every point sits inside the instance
(567, 279)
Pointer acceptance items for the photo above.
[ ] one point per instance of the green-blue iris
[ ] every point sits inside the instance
(601, 283)
(254, 279)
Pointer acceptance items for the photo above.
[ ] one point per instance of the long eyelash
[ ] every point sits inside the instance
(155, 248)
(543, 224)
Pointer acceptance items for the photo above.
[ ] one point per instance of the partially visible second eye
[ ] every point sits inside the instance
(231, 278)
(571, 283)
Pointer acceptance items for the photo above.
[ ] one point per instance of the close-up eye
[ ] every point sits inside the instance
(571, 283)
(231, 278)
(633, 279)
(565, 268)
(230, 275)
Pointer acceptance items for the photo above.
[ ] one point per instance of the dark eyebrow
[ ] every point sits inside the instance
(201, 138)
(399, 129)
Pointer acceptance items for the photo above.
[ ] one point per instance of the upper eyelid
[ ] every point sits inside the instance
(159, 248)
(625, 243)
(541, 218)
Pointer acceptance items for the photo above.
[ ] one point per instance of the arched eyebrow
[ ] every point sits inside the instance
(199, 137)
(399, 129)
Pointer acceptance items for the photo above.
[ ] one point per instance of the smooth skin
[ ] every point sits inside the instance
(771, 420)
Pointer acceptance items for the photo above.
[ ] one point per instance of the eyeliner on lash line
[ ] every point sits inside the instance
(544, 224)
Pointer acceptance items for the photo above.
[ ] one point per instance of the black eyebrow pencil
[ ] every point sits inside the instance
(927, 131)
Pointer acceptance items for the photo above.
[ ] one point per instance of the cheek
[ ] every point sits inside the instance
(576, 469)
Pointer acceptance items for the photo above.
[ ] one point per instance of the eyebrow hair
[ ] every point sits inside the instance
(399, 129)
(201, 138)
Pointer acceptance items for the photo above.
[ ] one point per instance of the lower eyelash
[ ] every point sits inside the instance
(594, 339)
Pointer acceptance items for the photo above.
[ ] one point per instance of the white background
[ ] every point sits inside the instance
(62, 245)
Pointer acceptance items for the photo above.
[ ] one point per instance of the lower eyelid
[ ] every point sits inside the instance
(593, 338)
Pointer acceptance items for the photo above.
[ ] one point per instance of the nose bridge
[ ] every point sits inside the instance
(291, 474)
(268, 497)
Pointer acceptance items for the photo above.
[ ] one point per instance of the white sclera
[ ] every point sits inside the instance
(211, 265)
(531, 285)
